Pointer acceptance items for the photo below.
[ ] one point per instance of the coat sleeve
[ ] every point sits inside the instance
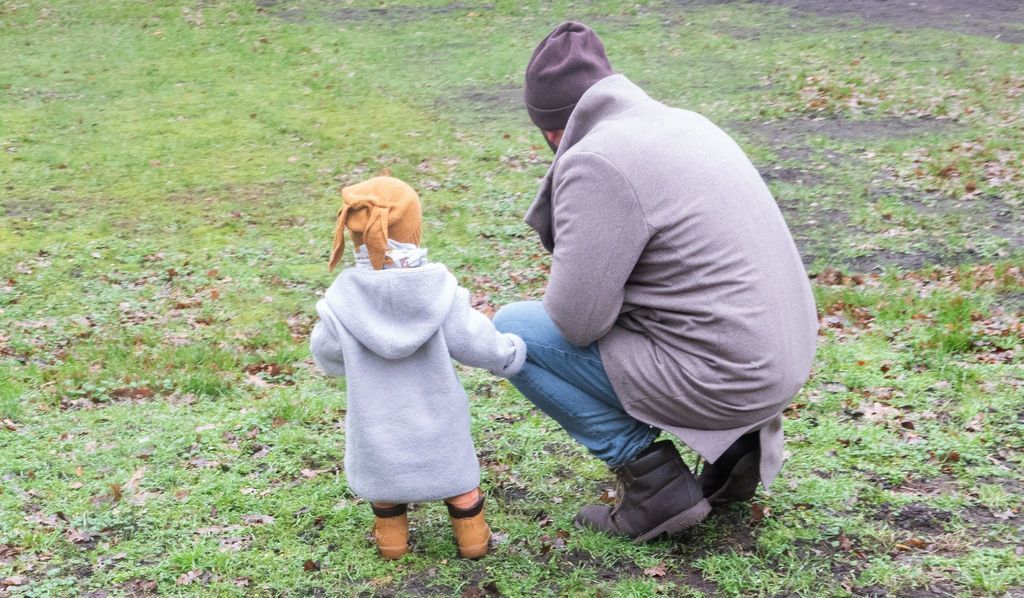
(472, 340)
(325, 343)
(599, 233)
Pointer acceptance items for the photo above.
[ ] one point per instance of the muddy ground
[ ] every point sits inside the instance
(1002, 20)
(997, 19)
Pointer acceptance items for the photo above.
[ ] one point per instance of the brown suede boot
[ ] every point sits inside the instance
(471, 531)
(391, 531)
(657, 496)
(735, 475)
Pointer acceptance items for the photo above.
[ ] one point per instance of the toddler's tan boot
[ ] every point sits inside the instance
(471, 531)
(391, 530)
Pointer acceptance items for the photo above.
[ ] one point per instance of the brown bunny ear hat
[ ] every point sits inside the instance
(374, 211)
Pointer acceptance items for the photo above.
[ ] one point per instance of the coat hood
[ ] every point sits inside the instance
(391, 312)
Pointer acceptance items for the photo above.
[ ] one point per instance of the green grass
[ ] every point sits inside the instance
(169, 173)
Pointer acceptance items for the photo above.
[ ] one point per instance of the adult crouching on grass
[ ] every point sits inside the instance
(677, 300)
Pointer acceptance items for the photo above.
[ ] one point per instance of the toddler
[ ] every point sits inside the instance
(391, 325)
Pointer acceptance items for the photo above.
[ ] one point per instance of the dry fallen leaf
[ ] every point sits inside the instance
(186, 578)
(656, 571)
(9, 551)
(257, 519)
(879, 411)
(233, 544)
(976, 424)
(141, 587)
(257, 381)
(78, 537)
(758, 513)
(911, 544)
(217, 529)
(844, 542)
(132, 393)
(132, 485)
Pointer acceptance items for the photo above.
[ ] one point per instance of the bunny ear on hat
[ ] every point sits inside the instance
(339, 238)
(374, 232)
(375, 236)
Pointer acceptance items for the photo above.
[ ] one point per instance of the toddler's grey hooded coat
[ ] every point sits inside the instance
(393, 334)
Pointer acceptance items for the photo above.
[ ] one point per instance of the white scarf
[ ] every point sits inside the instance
(403, 255)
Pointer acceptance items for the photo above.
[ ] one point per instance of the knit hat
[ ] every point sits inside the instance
(564, 66)
(374, 211)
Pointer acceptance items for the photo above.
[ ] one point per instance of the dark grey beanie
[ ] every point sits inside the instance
(564, 66)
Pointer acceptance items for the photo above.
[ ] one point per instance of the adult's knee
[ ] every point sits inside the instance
(516, 317)
(528, 319)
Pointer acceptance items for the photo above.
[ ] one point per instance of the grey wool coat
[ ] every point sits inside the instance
(393, 334)
(669, 251)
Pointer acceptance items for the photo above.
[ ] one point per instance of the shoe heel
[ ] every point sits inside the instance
(742, 482)
(685, 520)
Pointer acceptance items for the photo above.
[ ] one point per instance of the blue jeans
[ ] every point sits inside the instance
(569, 384)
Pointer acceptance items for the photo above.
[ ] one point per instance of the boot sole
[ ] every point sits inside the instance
(687, 519)
(742, 482)
(392, 553)
(476, 551)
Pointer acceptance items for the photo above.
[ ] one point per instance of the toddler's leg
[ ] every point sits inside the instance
(472, 534)
(391, 529)
(465, 501)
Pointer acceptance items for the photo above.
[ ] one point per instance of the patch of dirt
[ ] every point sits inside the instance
(940, 485)
(997, 19)
(798, 176)
(577, 558)
(983, 516)
(1011, 302)
(417, 584)
(790, 140)
(922, 518)
(792, 134)
(693, 578)
(802, 219)
(507, 98)
(879, 260)
(988, 213)
(338, 12)
(25, 208)
(735, 533)
(677, 571)
(508, 493)
(934, 590)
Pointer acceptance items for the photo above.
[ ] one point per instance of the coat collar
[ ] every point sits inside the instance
(604, 99)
